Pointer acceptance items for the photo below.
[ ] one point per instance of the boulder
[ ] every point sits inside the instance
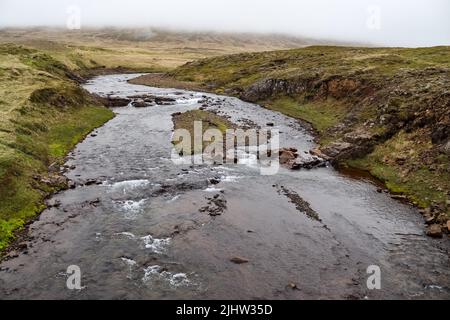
(117, 102)
(358, 136)
(334, 149)
(286, 155)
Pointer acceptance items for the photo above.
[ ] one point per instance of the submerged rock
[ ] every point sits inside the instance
(239, 260)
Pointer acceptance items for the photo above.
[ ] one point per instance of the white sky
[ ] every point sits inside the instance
(384, 22)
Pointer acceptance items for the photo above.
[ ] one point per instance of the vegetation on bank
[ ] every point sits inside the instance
(43, 114)
(384, 110)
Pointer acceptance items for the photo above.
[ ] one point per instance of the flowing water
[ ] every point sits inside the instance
(139, 232)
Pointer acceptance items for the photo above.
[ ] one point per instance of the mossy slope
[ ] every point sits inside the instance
(43, 114)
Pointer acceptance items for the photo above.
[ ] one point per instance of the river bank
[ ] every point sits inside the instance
(44, 114)
(380, 110)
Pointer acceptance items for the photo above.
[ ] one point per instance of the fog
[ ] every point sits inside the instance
(382, 22)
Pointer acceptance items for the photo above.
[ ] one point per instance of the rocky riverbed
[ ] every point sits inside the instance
(140, 226)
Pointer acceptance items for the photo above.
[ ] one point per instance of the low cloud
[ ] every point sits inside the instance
(383, 22)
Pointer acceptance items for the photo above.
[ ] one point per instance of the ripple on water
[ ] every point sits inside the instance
(157, 273)
(155, 245)
(131, 208)
(212, 189)
(129, 185)
(229, 178)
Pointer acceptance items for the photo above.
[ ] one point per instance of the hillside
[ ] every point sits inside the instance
(43, 114)
(141, 49)
(383, 110)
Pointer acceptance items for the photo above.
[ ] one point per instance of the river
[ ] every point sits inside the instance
(135, 228)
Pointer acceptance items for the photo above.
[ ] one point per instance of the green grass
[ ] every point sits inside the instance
(43, 115)
(321, 115)
(413, 178)
(63, 137)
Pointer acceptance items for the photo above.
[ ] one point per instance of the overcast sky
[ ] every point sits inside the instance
(386, 22)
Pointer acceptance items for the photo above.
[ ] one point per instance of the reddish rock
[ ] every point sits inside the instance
(287, 155)
(318, 153)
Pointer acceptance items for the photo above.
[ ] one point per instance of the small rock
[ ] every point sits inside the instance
(139, 103)
(399, 197)
(429, 219)
(91, 182)
(54, 167)
(214, 181)
(434, 231)
(270, 124)
(239, 260)
(94, 202)
(293, 286)
(53, 203)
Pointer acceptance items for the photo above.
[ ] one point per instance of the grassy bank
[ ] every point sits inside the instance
(43, 114)
(384, 110)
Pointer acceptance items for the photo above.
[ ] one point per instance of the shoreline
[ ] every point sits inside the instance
(343, 166)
